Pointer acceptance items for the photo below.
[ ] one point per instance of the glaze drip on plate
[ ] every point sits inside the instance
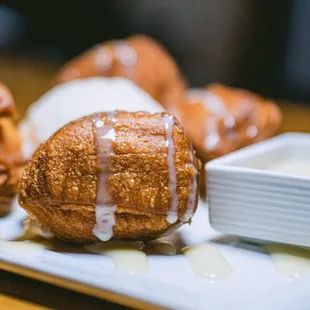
(289, 260)
(164, 247)
(105, 208)
(126, 256)
(207, 262)
(172, 215)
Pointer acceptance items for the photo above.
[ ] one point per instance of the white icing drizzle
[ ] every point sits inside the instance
(172, 215)
(125, 54)
(213, 137)
(215, 105)
(289, 260)
(122, 52)
(191, 202)
(212, 102)
(105, 208)
(218, 109)
(103, 58)
(252, 131)
(229, 121)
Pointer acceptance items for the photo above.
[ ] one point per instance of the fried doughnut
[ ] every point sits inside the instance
(113, 175)
(138, 58)
(221, 119)
(11, 159)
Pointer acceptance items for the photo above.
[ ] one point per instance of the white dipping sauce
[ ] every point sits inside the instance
(294, 166)
(78, 98)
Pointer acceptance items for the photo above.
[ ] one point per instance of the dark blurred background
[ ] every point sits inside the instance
(260, 45)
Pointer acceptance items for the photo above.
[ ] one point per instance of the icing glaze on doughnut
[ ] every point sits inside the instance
(172, 215)
(191, 202)
(218, 111)
(105, 137)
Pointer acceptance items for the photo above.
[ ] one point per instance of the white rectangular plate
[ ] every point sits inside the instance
(170, 281)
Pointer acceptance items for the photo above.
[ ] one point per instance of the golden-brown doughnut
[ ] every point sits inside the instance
(115, 174)
(11, 159)
(221, 119)
(138, 58)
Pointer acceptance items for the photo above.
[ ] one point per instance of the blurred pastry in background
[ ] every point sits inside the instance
(139, 59)
(11, 159)
(7, 106)
(221, 119)
(72, 100)
(113, 175)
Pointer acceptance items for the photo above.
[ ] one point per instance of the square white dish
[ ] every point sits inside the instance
(170, 282)
(263, 191)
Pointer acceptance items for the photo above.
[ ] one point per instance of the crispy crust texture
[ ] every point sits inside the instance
(138, 58)
(11, 160)
(59, 186)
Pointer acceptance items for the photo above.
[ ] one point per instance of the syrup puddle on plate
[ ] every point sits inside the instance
(207, 262)
(289, 260)
(32, 241)
(163, 247)
(34, 232)
(126, 256)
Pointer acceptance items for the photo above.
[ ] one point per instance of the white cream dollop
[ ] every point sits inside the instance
(77, 98)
